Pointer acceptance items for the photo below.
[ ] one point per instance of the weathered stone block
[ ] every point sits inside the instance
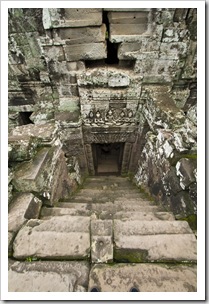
(101, 228)
(118, 80)
(138, 242)
(174, 35)
(150, 227)
(101, 249)
(66, 116)
(173, 50)
(146, 277)
(122, 32)
(54, 53)
(48, 276)
(25, 177)
(46, 174)
(101, 241)
(128, 17)
(142, 48)
(185, 169)
(23, 207)
(96, 78)
(64, 237)
(69, 104)
(22, 147)
(47, 132)
(83, 35)
(88, 51)
(72, 17)
(76, 66)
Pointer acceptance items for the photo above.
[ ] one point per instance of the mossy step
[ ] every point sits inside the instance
(154, 241)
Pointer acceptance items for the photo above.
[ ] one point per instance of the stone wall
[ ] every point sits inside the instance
(167, 164)
(103, 75)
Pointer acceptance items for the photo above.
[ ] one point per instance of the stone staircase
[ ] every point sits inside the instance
(109, 236)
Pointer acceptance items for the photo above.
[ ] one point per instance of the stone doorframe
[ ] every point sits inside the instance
(94, 135)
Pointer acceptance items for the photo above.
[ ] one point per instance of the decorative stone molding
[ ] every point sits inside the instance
(109, 138)
(113, 117)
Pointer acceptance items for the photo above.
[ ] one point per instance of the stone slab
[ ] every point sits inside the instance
(83, 34)
(156, 247)
(101, 228)
(100, 207)
(48, 276)
(72, 17)
(45, 132)
(63, 237)
(23, 207)
(87, 51)
(144, 216)
(50, 212)
(119, 80)
(128, 17)
(146, 277)
(127, 29)
(101, 249)
(101, 241)
(134, 227)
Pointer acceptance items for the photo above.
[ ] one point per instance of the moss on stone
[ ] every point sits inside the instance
(130, 255)
(173, 161)
(192, 221)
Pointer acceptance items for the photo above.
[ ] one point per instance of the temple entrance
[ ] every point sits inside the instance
(108, 158)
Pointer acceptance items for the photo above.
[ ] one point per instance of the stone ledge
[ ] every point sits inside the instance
(48, 276)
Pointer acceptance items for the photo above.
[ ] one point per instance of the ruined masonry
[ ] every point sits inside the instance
(102, 150)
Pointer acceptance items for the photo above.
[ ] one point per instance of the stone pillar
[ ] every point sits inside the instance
(90, 160)
(126, 157)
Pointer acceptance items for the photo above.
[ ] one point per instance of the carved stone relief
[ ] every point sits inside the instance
(112, 117)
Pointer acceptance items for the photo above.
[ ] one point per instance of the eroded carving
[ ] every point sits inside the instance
(115, 117)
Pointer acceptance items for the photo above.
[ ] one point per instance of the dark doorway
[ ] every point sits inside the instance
(108, 158)
(24, 118)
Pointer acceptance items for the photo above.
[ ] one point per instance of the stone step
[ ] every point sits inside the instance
(66, 237)
(144, 216)
(47, 213)
(146, 277)
(111, 207)
(48, 276)
(114, 181)
(149, 241)
(108, 194)
(134, 227)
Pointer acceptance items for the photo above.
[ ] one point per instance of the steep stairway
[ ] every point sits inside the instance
(109, 235)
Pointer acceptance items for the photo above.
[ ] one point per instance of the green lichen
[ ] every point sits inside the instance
(192, 221)
(130, 255)
(173, 161)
